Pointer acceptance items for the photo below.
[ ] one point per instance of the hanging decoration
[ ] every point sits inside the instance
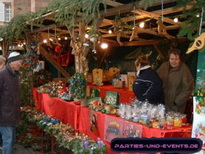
(55, 40)
(76, 48)
(135, 29)
(58, 48)
(199, 42)
(118, 29)
(161, 27)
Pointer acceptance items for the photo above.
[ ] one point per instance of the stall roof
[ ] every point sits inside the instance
(127, 31)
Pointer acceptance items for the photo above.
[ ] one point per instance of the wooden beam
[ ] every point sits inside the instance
(142, 43)
(156, 16)
(152, 42)
(107, 22)
(128, 8)
(159, 51)
(120, 9)
(113, 3)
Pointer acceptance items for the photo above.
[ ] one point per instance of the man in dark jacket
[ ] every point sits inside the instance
(9, 100)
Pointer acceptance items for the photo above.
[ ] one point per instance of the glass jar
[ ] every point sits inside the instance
(170, 120)
(177, 121)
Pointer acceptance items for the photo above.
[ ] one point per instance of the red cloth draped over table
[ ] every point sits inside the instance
(95, 124)
(67, 112)
(84, 127)
(125, 94)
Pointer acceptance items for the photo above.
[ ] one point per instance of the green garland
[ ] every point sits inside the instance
(65, 135)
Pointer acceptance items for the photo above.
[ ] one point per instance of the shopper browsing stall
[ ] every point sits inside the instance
(177, 82)
(9, 100)
(148, 85)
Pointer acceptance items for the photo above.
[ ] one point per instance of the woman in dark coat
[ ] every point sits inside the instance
(177, 80)
(148, 85)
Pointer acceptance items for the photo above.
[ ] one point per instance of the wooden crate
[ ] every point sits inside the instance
(131, 80)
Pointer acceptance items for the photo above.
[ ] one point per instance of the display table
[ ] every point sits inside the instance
(85, 125)
(65, 111)
(125, 94)
(81, 118)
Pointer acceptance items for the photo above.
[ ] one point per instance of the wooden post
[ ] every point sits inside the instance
(5, 47)
(82, 39)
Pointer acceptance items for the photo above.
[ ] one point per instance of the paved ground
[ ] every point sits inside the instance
(22, 150)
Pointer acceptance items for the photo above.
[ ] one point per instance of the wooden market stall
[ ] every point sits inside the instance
(59, 35)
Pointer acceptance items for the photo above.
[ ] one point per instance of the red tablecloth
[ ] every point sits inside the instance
(79, 118)
(125, 95)
(65, 111)
(84, 127)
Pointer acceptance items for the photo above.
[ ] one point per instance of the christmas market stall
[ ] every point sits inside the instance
(79, 69)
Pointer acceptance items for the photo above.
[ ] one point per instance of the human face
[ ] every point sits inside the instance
(16, 65)
(2, 65)
(174, 60)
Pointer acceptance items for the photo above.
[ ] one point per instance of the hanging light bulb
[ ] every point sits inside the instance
(66, 38)
(59, 38)
(45, 41)
(104, 45)
(94, 51)
(197, 15)
(86, 35)
(110, 31)
(176, 20)
(142, 24)
(86, 44)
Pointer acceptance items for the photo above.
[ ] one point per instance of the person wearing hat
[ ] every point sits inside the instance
(2, 65)
(10, 100)
(2, 61)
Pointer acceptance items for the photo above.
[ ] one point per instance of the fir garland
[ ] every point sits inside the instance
(191, 24)
(64, 134)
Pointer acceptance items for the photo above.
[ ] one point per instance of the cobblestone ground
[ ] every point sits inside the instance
(19, 149)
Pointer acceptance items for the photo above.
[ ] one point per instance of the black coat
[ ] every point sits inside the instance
(149, 86)
(9, 97)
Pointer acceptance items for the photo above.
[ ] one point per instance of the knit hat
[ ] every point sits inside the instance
(13, 56)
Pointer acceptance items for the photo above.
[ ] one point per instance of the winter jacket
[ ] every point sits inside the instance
(149, 86)
(9, 97)
(178, 86)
